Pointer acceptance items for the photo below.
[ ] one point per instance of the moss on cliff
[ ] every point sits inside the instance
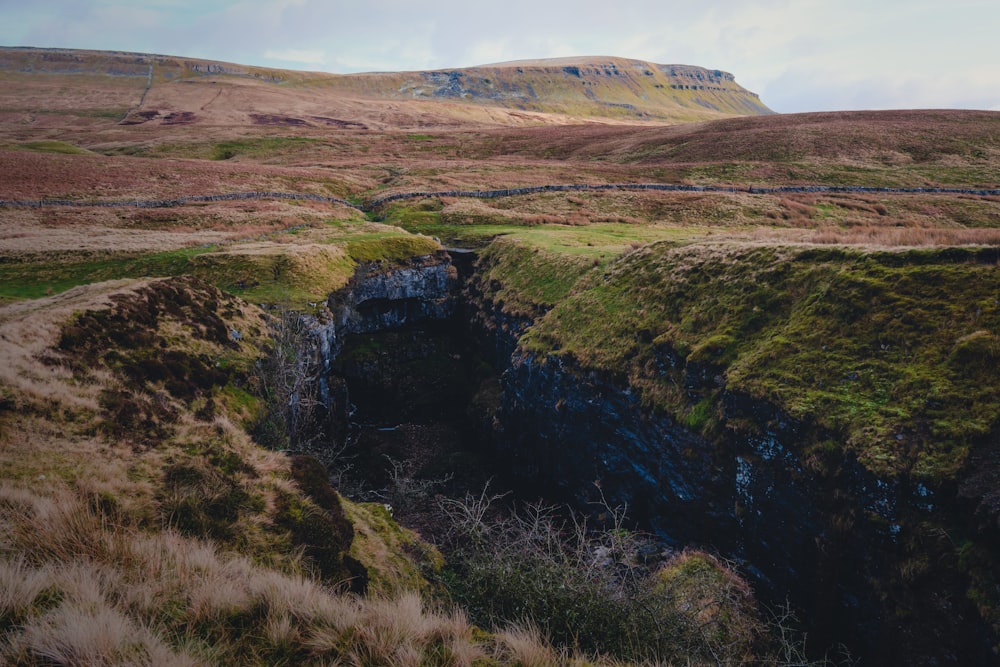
(892, 351)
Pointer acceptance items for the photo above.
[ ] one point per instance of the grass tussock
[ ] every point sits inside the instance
(88, 590)
(79, 587)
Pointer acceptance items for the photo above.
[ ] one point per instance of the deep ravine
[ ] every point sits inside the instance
(417, 365)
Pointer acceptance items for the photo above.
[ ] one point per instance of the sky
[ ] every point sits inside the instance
(801, 55)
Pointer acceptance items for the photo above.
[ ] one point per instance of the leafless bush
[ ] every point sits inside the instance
(286, 379)
(590, 590)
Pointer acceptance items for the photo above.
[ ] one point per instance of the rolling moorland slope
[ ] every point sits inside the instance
(144, 89)
(794, 392)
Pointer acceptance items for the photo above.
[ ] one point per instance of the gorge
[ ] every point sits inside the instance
(540, 293)
(807, 522)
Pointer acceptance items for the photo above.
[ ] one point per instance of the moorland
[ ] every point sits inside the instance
(777, 373)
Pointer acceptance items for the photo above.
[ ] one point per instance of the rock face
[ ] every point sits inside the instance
(583, 438)
(852, 552)
(882, 564)
(378, 298)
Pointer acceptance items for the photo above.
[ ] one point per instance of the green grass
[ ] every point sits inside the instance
(536, 268)
(599, 240)
(528, 279)
(53, 147)
(320, 261)
(389, 247)
(889, 350)
(35, 279)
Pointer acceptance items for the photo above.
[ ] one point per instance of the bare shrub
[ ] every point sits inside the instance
(589, 590)
(285, 379)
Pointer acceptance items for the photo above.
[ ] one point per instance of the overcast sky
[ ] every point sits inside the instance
(801, 55)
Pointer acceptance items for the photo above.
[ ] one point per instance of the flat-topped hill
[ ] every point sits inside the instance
(159, 89)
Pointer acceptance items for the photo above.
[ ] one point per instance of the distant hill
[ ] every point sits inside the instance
(594, 86)
(160, 89)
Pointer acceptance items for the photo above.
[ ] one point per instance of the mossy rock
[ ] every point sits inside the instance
(894, 352)
(975, 353)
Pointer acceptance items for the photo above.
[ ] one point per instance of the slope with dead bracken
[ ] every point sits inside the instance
(884, 138)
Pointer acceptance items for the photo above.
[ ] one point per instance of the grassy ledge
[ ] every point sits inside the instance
(890, 350)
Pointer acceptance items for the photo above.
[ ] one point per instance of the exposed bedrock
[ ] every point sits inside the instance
(886, 565)
(866, 562)
(379, 297)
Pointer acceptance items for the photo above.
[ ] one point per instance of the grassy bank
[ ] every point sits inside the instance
(888, 349)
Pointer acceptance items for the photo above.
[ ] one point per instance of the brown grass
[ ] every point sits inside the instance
(33, 175)
(28, 329)
(89, 590)
(91, 572)
(904, 236)
(896, 138)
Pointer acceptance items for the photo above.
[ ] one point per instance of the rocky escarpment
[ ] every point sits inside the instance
(851, 551)
(898, 565)
(592, 85)
(378, 297)
(896, 560)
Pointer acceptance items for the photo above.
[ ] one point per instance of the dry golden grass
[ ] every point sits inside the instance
(34, 231)
(905, 236)
(29, 329)
(78, 587)
(18, 238)
(525, 646)
(92, 571)
(866, 235)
